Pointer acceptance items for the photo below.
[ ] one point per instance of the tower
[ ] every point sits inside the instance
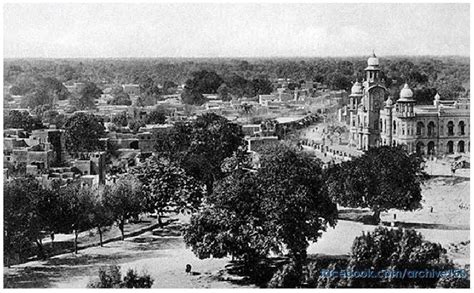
(368, 111)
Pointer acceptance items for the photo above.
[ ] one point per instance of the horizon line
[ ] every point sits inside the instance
(241, 57)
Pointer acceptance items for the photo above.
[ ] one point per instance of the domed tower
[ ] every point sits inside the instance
(372, 71)
(370, 107)
(356, 95)
(406, 103)
(354, 101)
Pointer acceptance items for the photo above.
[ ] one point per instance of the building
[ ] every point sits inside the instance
(375, 119)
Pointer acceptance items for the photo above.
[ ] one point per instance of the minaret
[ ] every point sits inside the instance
(372, 71)
(388, 109)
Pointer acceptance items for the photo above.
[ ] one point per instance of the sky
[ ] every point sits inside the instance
(233, 30)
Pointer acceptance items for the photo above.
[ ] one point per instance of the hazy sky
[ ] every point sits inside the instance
(234, 30)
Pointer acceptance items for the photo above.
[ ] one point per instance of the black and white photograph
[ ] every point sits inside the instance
(236, 145)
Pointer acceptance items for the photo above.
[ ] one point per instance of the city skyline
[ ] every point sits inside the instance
(234, 30)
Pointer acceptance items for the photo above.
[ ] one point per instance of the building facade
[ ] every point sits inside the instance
(375, 119)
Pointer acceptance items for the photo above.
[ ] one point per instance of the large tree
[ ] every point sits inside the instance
(87, 96)
(165, 184)
(125, 200)
(280, 207)
(77, 209)
(22, 119)
(23, 225)
(83, 131)
(202, 146)
(383, 178)
(397, 254)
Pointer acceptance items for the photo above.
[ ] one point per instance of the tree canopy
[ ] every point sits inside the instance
(82, 132)
(383, 178)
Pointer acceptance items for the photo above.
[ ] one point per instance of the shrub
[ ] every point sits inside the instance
(394, 250)
(112, 278)
(286, 277)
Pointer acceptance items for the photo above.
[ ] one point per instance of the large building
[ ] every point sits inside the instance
(375, 119)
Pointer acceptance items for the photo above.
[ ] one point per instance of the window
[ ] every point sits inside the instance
(419, 128)
(461, 128)
(450, 128)
(431, 128)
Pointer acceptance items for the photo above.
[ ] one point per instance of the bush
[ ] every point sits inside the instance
(133, 280)
(286, 277)
(394, 250)
(112, 278)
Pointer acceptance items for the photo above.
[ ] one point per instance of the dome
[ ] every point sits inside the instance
(373, 60)
(406, 93)
(389, 102)
(356, 88)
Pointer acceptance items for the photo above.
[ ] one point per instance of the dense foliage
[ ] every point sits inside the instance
(200, 147)
(382, 178)
(112, 278)
(83, 131)
(21, 119)
(426, 75)
(278, 208)
(392, 251)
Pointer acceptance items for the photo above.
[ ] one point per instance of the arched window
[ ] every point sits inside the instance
(461, 127)
(431, 128)
(420, 148)
(420, 127)
(461, 146)
(450, 128)
(450, 147)
(394, 127)
(431, 148)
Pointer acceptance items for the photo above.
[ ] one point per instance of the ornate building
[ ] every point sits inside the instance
(441, 128)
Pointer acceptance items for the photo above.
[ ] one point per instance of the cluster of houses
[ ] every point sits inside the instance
(42, 153)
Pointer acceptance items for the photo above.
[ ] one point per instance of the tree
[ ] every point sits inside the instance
(22, 222)
(125, 200)
(121, 98)
(77, 209)
(167, 185)
(157, 116)
(204, 82)
(102, 215)
(192, 97)
(381, 179)
(261, 86)
(224, 92)
(394, 251)
(121, 119)
(86, 98)
(112, 278)
(136, 124)
(23, 120)
(212, 139)
(82, 132)
(169, 87)
(280, 207)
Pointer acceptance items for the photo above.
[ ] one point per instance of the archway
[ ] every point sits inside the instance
(420, 127)
(431, 148)
(450, 128)
(461, 127)
(134, 145)
(431, 128)
(461, 146)
(420, 148)
(450, 146)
